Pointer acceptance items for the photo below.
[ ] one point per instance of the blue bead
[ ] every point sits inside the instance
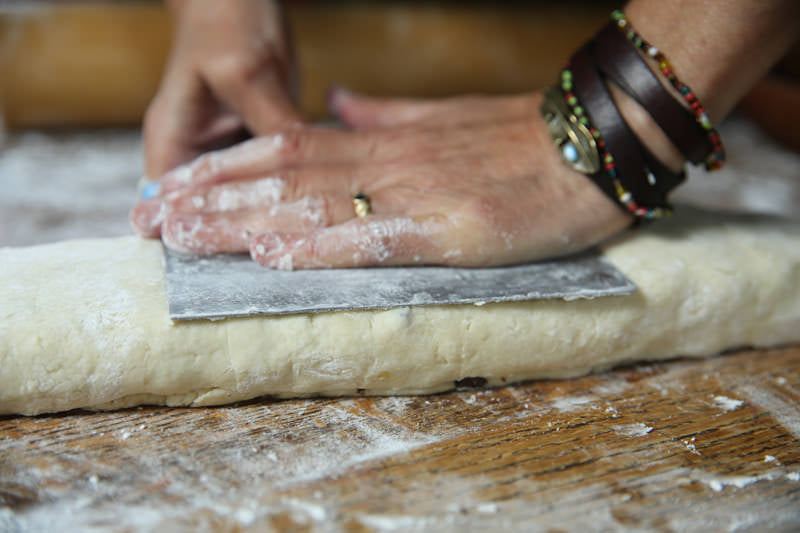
(570, 152)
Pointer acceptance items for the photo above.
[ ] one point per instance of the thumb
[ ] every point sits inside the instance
(363, 112)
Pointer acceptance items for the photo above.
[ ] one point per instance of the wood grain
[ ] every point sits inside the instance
(684, 445)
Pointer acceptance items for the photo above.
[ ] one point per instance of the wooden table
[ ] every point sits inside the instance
(664, 447)
(684, 445)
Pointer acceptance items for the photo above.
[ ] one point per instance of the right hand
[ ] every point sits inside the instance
(465, 182)
(230, 74)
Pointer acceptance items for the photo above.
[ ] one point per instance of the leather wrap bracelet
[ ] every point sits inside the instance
(594, 138)
(622, 64)
(632, 167)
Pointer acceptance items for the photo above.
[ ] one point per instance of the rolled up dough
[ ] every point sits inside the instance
(84, 324)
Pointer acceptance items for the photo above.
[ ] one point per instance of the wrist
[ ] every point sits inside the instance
(646, 129)
(720, 49)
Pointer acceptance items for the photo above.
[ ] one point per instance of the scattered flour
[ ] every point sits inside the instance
(64, 185)
(568, 404)
(488, 508)
(727, 404)
(689, 443)
(633, 430)
(785, 411)
(719, 483)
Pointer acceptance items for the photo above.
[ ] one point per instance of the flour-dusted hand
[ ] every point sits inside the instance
(470, 182)
(230, 73)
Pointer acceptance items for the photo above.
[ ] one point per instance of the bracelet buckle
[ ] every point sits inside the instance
(574, 141)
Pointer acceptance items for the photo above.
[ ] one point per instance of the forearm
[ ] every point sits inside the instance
(719, 49)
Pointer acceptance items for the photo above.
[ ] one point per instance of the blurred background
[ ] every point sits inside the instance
(76, 78)
(99, 63)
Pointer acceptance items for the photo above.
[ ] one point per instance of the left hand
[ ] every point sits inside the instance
(467, 181)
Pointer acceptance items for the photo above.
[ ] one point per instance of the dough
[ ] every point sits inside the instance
(84, 324)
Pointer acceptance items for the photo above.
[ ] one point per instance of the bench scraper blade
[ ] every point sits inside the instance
(225, 286)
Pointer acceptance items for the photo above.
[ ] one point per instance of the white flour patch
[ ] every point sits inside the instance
(727, 404)
(256, 469)
(786, 412)
(568, 404)
(739, 482)
(633, 430)
(612, 386)
(690, 445)
(720, 483)
(487, 508)
(393, 522)
(63, 185)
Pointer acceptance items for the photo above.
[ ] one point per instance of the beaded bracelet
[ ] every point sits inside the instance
(624, 197)
(717, 157)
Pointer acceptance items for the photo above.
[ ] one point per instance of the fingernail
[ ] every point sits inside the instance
(333, 97)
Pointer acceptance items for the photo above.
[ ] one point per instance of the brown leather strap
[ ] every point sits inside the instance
(621, 63)
(629, 155)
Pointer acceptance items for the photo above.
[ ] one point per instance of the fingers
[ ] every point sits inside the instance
(306, 147)
(286, 187)
(183, 122)
(233, 231)
(257, 93)
(363, 112)
(227, 197)
(359, 242)
(257, 156)
(146, 218)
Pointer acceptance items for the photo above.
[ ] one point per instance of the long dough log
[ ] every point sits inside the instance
(83, 324)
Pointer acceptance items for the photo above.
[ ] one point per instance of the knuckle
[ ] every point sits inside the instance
(205, 165)
(481, 210)
(294, 146)
(293, 186)
(326, 212)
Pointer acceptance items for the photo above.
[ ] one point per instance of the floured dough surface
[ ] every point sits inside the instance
(84, 324)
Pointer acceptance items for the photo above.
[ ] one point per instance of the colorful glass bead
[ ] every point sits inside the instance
(716, 159)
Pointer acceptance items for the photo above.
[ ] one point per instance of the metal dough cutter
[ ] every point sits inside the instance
(226, 286)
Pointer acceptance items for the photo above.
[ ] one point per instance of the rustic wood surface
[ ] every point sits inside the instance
(683, 445)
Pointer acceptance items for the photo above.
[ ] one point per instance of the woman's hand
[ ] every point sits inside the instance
(230, 73)
(468, 181)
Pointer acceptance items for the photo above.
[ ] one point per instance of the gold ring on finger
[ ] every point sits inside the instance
(361, 205)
